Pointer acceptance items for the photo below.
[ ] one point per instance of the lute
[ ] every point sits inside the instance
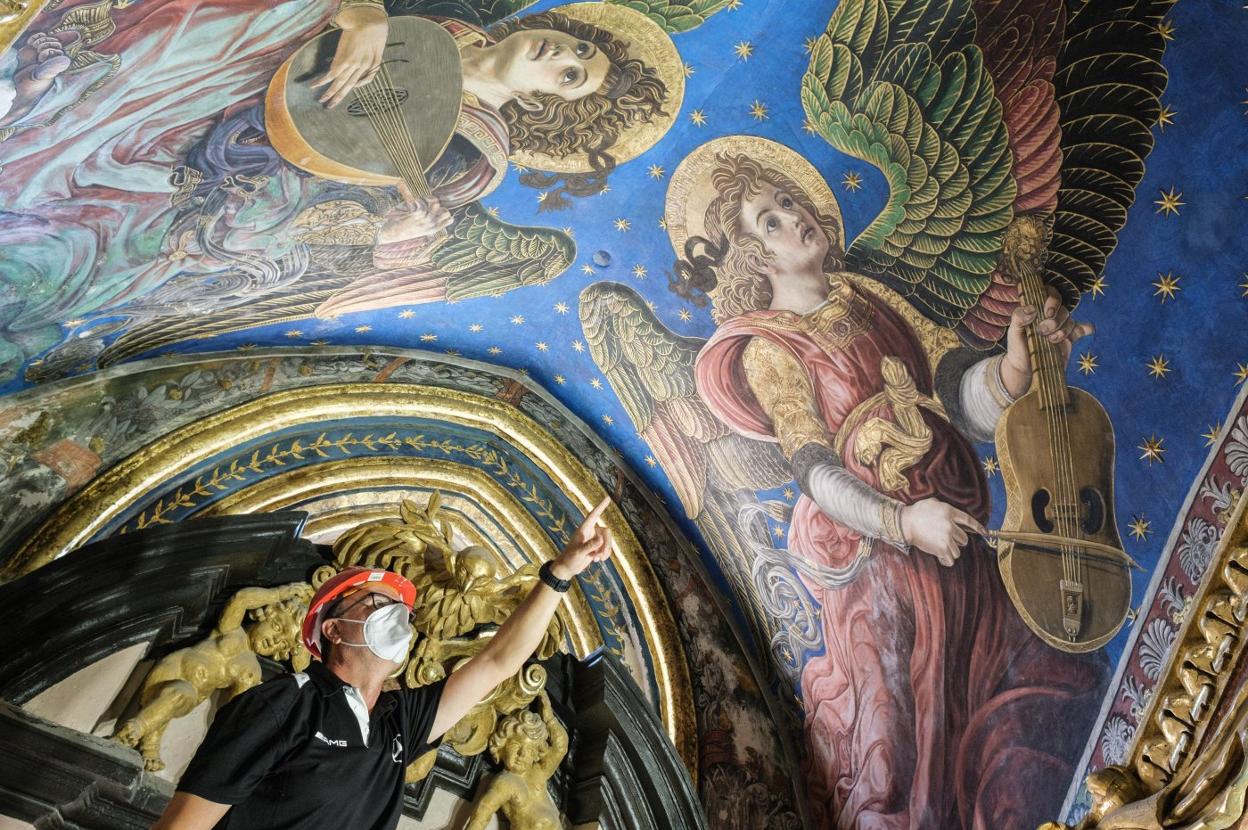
(389, 131)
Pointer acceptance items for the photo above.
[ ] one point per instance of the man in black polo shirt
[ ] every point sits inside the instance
(327, 749)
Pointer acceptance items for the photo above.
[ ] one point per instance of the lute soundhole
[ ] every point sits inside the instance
(379, 99)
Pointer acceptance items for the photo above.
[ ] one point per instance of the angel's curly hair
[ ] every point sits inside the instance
(526, 724)
(727, 265)
(631, 93)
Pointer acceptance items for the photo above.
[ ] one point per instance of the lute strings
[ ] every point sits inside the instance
(384, 114)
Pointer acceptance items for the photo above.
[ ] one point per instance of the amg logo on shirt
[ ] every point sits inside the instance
(320, 736)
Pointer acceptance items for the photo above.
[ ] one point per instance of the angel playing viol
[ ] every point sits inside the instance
(892, 500)
(864, 373)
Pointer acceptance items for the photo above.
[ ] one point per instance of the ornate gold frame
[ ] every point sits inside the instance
(1188, 762)
(288, 490)
(109, 495)
(1209, 648)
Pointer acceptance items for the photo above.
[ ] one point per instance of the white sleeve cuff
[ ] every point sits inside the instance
(984, 398)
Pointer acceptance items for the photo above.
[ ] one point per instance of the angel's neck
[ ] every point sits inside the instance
(799, 293)
(481, 76)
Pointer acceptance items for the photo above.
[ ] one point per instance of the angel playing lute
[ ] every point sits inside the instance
(873, 368)
(240, 236)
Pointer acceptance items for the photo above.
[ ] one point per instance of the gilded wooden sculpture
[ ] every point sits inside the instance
(530, 748)
(1209, 795)
(225, 660)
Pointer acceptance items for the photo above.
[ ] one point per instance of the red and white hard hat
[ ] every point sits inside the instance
(344, 582)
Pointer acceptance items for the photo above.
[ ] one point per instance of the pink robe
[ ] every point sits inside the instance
(933, 706)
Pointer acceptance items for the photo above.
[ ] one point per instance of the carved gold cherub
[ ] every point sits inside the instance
(457, 591)
(530, 748)
(225, 660)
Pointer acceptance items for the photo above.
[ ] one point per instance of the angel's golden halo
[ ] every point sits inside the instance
(691, 191)
(644, 40)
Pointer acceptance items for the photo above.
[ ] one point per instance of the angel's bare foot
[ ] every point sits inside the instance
(40, 60)
(130, 734)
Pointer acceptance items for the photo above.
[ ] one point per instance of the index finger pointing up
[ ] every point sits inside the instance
(586, 531)
(596, 513)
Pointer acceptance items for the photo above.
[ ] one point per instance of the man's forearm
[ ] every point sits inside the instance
(522, 632)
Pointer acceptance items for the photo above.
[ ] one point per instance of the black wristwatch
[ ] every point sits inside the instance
(547, 575)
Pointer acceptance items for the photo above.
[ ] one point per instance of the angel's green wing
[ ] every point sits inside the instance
(901, 84)
(486, 256)
(481, 256)
(677, 17)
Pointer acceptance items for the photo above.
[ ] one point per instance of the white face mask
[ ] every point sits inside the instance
(387, 632)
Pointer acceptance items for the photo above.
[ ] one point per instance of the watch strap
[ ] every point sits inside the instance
(547, 575)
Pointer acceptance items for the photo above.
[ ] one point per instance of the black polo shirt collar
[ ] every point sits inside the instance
(324, 680)
(329, 684)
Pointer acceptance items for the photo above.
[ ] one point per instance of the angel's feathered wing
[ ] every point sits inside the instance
(1108, 84)
(676, 17)
(714, 471)
(980, 110)
(481, 256)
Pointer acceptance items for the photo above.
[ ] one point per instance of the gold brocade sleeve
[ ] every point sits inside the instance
(782, 387)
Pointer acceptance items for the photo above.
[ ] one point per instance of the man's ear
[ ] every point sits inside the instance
(330, 632)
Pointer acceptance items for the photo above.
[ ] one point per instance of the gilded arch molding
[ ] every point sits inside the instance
(122, 496)
(363, 477)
